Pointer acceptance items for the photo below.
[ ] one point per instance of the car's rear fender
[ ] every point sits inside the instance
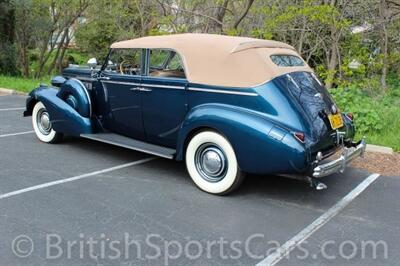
(261, 145)
(64, 118)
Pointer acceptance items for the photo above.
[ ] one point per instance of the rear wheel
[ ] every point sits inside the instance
(42, 125)
(212, 164)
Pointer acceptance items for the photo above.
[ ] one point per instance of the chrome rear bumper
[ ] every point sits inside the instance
(339, 164)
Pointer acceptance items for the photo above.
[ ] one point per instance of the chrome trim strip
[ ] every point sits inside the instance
(85, 78)
(164, 86)
(87, 95)
(144, 85)
(224, 91)
(120, 82)
(182, 88)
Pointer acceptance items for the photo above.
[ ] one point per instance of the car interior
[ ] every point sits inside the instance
(124, 62)
(163, 63)
(166, 63)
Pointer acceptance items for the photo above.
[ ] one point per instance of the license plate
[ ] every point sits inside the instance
(336, 121)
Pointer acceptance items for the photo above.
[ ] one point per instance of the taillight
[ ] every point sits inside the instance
(300, 136)
(350, 116)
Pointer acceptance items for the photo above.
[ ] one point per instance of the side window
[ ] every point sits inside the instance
(175, 63)
(287, 60)
(166, 63)
(157, 58)
(124, 62)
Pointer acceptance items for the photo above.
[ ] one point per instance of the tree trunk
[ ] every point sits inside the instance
(25, 61)
(332, 59)
(45, 52)
(59, 47)
(43, 57)
(62, 55)
(219, 16)
(383, 42)
(333, 55)
(23, 36)
(302, 36)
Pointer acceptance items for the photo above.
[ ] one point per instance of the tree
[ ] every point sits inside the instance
(7, 28)
(112, 20)
(388, 11)
(216, 16)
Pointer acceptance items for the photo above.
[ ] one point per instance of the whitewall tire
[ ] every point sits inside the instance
(212, 164)
(42, 125)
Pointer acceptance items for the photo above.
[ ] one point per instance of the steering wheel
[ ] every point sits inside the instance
(130, 67)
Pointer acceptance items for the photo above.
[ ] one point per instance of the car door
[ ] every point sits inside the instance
(121, 80)
(163, 96)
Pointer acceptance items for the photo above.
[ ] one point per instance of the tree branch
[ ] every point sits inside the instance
(246, 11)
(192, 12)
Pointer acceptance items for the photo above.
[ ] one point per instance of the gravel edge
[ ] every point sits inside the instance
(5, 91)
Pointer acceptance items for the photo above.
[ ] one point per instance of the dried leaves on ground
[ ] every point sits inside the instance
(385, 164)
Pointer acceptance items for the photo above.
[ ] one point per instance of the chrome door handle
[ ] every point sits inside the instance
(104, 78)
(145, 89)
(140, 89)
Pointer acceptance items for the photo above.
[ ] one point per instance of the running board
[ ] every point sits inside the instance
(129, 143)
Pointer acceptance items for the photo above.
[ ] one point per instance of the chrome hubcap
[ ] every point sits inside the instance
(211, 162)
(43, 122)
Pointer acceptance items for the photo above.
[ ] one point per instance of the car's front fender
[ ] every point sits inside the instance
(262, 146)
(63, 117)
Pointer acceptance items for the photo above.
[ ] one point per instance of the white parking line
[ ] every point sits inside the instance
(74, 178)
(284, 250)
(16, 134)
(12, 109)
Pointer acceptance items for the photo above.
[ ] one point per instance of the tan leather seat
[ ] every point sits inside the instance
(168, 73)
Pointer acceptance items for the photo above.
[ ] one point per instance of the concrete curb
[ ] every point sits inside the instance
(379, 149)
(11, 92)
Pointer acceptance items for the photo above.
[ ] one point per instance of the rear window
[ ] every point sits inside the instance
(287, 60)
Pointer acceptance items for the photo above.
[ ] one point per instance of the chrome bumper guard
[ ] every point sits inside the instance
(339, 165)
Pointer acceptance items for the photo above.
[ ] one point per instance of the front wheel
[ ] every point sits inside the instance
(211, 163)
(42, 125)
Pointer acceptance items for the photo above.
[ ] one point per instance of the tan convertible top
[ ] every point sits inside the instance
(222, 60)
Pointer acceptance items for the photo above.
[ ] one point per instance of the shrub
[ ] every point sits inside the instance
(365, 109)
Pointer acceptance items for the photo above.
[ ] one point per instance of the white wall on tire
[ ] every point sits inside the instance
(212, 137)
(45, 138)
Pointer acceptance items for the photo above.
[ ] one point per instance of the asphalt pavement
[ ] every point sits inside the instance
(81, 202)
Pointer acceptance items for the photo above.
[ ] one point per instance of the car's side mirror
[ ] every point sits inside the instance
(92, 63)
(57, 81)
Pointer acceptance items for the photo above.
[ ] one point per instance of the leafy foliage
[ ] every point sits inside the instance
(376, 117)
(364, 108)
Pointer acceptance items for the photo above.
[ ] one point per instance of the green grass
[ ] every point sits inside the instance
(377, 117)
(389, 135)
(21, 84)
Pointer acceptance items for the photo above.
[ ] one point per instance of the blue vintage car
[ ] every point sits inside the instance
(225, 105)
